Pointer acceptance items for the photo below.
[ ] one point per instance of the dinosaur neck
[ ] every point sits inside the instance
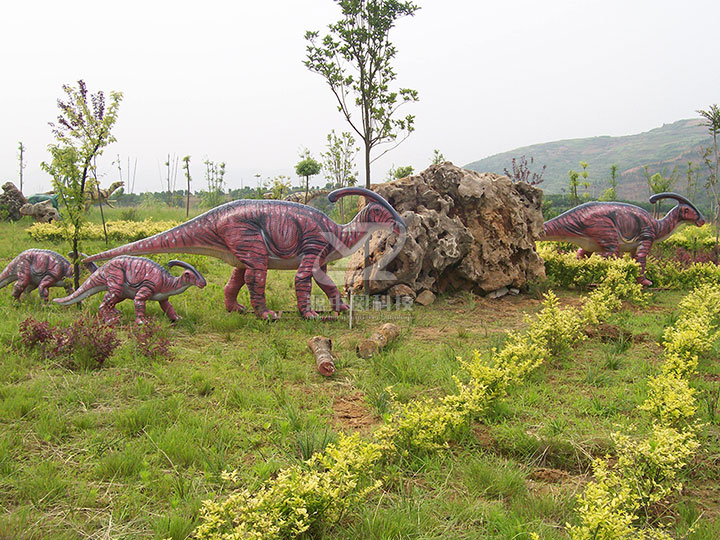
(179, 288)
(664, 227)
(352, 234)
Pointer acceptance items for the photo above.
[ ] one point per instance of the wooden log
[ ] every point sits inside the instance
(367, 348)
(321, 347)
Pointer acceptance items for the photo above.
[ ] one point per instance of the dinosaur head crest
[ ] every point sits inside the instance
(379, 210)
(688, 212)
(190, 275)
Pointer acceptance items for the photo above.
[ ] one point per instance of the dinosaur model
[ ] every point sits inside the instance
(95, 196)
(138, 278)
(299, 196)
(257, 235)
(608, 228)
(41, 269)
(42, 197)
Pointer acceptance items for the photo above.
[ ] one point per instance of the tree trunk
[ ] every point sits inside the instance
(367, 348)
(321, 347)
(366, 262)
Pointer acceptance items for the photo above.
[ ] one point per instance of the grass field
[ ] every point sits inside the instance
(130, 450)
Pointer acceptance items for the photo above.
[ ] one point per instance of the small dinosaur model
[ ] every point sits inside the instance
(101, 195)
(257, 235)
(608, 228)
(42, 197)
(41, 269)
(138, 278)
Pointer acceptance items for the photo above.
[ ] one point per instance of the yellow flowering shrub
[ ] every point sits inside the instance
(329, 483)
(614, 506)
(125, 231)
(567, 271)
(320, 489)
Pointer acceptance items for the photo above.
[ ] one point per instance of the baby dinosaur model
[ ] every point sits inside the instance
(138, 278)
(41, 269)
(256, 235)
(608, 228)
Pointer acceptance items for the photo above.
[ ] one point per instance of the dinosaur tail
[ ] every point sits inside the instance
(188, 237)
(92, 285)
(8, 275)
(559, 229)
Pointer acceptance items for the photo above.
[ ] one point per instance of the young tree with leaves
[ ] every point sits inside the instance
(215, 176)
(574, 177)
(186, 166)
(610, 194)
(355, 60)
(396, 173)
(339, 163)
(307, 167)
(711, 156)
(437, 158)
(21, 157)
(83, 129)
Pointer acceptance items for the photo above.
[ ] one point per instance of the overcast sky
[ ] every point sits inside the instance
(225, 80)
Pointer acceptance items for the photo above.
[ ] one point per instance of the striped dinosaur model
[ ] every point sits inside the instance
(139, 279)
(257, 235)
(39, 269)
(609, 228)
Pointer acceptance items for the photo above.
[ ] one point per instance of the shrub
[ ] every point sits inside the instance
(86, 343)
(616, 504)
(125, 231)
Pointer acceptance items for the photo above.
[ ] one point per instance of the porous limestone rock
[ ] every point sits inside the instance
(43, 212)
(466, 231)
(11, 200)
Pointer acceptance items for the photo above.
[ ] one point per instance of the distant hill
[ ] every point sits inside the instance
(665, 147)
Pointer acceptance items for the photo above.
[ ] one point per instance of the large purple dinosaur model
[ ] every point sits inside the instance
(138, 278)
(610, 227)
(254, 236)
(41, 269)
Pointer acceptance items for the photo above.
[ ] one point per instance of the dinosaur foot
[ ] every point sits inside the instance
(340, 306)
(235, 307)
(176, 319)
(269, 315)
(111, 318)
(310, 314)
(645, 282)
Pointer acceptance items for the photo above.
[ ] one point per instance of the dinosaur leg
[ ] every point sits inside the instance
(141, 297)
(21, 284)
(641, 257)
(329, 288)
(303, 286)
(582, 254)
(237, 280)
(107, 306)
(169, 310)
(44, 286)
(252, 252)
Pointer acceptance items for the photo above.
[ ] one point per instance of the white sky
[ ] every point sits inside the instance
(225, 80)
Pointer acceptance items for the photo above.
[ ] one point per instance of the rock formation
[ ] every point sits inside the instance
(44, 211)
(466, 231)
(11, 200)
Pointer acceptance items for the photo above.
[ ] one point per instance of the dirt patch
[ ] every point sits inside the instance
(351, 413)
(549, 476)
(483, 436)
(610, 332)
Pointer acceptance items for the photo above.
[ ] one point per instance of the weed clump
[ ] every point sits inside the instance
(85, 344)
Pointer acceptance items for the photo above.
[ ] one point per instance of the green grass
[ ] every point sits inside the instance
(131, 450)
